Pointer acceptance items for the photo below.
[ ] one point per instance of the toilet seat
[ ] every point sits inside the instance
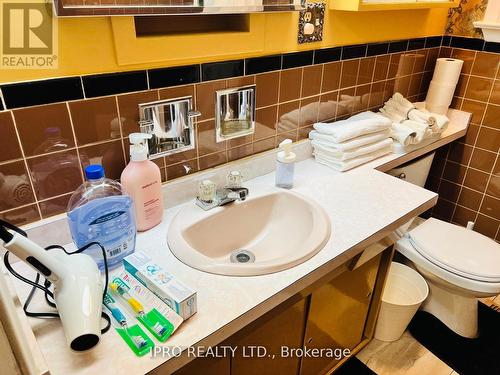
(457, 250)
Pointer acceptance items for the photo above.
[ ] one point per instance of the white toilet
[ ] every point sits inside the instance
(459, 265)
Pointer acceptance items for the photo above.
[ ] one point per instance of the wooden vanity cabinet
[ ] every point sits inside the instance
(282, 326)
(338, 311)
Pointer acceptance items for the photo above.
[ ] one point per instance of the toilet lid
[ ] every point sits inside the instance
(458, 250)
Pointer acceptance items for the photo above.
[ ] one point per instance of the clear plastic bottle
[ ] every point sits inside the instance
(100, 211)
(53, 141)
(285, 165)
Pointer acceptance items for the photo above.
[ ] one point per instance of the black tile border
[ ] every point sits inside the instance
(326, 55)
(255, 65)
(297, 59)
(178, 75)
(491, 47)
(433, 41)
(222, 69)
(47, 91)
(416, 43)
(354, 52)
(114, 83)
(375, 49)
(467, 43)
(398, 46)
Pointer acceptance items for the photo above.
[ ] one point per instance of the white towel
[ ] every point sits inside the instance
(350, 144)
(391, 114)
(399, 109)
(422, 130)
(438, 123)
(349, 164)
(324, 150)
(403, 133)
(361, 124)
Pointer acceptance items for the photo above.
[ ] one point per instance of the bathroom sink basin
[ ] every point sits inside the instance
(263, 234)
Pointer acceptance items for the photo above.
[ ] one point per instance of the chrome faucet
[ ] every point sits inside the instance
(209, 197)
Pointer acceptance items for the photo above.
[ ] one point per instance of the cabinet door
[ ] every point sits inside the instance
(207, 366)
(280, 327)
(337, 314)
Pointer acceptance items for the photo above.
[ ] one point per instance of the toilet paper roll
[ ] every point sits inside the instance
(447, 70)
(439, 97)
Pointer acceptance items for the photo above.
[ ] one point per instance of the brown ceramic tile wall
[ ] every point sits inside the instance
(467, 173)
(43, 148)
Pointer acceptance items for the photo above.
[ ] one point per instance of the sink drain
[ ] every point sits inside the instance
(242, 256)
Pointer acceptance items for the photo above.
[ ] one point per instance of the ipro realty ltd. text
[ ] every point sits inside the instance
(249, 351)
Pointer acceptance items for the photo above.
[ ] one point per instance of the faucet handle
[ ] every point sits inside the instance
(234, 179)
(207, 191)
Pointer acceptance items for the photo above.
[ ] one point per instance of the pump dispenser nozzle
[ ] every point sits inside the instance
(139, 146)
(286, 156)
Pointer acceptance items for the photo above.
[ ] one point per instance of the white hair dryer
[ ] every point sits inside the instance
(78, 288)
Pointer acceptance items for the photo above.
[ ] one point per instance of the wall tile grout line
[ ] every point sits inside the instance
(83, 88)
(2, 100)
(470, 209)
(121, 128)
(458, 206)
(482, 120)
(446, 158)
(75, 140)
(28, 170)
(468, 162)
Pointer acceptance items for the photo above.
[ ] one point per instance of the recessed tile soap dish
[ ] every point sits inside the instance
(235, 112)
(171, 124)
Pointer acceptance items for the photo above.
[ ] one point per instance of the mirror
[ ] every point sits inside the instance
(165, 7)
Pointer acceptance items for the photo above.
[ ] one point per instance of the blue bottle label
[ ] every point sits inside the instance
(109, 221)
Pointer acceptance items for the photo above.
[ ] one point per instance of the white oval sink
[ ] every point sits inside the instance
(263, 234)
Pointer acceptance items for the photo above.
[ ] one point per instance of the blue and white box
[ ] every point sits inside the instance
(174, 293)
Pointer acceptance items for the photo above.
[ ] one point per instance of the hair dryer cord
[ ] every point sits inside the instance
(46, 285)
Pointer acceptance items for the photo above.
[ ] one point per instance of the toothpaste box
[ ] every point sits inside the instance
(150, 300)
(174, 293)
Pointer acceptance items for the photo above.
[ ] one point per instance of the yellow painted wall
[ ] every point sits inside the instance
(105, 44)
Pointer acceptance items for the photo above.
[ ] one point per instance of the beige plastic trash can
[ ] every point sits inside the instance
(404, 292)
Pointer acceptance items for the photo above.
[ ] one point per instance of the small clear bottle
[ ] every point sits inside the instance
(285, 165)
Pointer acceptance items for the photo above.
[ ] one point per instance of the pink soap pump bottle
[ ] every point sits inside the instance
(141, 179)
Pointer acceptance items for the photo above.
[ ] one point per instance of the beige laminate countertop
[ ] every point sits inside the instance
(364, 205)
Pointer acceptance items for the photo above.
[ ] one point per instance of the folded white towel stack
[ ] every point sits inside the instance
(345, 144)
(411, 123)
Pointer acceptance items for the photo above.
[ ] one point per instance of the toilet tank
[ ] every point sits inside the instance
(415, 171)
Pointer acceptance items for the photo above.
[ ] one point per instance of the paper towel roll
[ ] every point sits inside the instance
(439, 97)
(447, 70)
